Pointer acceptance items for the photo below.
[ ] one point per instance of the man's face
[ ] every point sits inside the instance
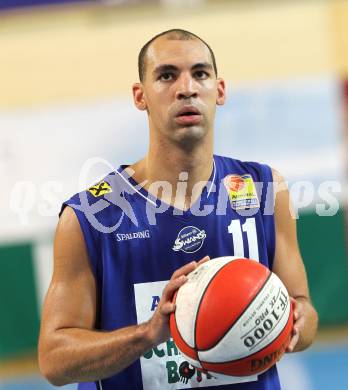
(181, 90)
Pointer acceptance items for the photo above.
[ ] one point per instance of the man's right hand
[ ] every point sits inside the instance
(158, 325)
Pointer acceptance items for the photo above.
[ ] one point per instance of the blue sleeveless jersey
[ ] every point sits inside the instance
(135, 243)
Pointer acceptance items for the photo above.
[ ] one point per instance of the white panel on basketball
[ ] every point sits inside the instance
(190, 294)
(266, 315)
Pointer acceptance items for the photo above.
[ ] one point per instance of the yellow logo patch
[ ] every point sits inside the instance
(241, 191)
(100, 189)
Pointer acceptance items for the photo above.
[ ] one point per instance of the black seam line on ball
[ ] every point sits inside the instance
(231, 326)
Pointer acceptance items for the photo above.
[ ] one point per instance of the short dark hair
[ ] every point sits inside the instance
(175, 34)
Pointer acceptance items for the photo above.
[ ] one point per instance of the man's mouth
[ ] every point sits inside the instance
(188, 116)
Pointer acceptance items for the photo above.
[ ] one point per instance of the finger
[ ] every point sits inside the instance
(293, 343)
(299, 325)
(295, 335)
(167, 308)
(186, 269)
(293, 302)
(172, 286)
(297, 306)
(299, 309)
(204, 260)
(295, 314)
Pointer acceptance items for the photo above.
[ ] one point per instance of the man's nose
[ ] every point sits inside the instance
(187, 87)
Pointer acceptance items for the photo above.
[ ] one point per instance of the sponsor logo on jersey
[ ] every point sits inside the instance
(100, 189)
(241, 191)
(190, 239)
(132, 235)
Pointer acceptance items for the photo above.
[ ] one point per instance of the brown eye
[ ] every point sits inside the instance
(201, 74)
(166, 76)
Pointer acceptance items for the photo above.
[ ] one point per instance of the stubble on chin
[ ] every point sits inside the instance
(188, 137)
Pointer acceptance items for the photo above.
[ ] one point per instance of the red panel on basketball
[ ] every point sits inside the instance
(230, 292)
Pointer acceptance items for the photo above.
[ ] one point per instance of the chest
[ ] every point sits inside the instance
(156, 250)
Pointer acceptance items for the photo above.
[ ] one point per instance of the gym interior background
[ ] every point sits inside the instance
(67, 118)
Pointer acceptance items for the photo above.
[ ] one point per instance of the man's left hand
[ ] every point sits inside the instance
(299, 321)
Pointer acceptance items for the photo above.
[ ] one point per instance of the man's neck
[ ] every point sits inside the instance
(187, 172)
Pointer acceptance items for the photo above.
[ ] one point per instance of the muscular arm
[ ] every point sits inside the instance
(288, 265)
(70, 350)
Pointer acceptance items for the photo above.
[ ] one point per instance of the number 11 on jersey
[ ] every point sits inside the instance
(249, 227)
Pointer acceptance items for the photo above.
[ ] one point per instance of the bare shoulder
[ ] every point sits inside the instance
(71, 298)
(283, 205)
(68, 224)
(69, 245)
(71, 260)
(277, 176)
(279, 182)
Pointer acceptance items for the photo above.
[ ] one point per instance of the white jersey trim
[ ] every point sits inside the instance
(212, 182)
(154, 203)
(131, 185)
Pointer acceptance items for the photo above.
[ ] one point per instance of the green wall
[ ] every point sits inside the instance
(19, 322)
(324, 250)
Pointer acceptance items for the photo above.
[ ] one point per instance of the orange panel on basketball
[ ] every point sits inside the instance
(229, 292)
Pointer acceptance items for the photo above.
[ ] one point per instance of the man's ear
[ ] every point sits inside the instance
(221, 89)
(139, 96)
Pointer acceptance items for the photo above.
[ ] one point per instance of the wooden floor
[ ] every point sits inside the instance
(23, 365)
(332, 334)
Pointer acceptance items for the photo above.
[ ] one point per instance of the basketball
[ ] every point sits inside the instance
(233, 316)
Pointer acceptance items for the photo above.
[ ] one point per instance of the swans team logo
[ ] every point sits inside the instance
(190, 239)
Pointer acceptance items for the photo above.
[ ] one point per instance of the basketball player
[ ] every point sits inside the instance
(125, 245)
